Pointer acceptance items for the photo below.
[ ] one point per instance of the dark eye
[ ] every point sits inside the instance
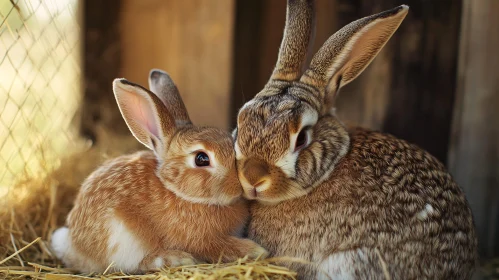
(301, 140)
(202, 159)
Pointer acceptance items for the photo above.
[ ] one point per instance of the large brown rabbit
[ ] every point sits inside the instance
(179, 203)
(358, 204)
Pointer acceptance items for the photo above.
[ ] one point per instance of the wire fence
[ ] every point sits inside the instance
(40, 88)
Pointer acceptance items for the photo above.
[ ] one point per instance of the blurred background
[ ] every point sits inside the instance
(435, 84)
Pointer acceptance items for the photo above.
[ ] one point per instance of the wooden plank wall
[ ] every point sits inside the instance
(474, 149)
(192, 41)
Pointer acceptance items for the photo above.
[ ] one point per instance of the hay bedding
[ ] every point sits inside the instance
(29, 215)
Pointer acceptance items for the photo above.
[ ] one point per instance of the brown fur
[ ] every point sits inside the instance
(359, 204)
(150, 209)
(371, 202)
(128, 189)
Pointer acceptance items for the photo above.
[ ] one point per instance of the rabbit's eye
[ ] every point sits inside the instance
(202, 159)
(302, 139)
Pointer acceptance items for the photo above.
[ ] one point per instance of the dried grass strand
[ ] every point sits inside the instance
(19, 251)
(383, 264)
(15, 248)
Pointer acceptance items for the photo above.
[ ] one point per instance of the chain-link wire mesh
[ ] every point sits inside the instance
(39, 85)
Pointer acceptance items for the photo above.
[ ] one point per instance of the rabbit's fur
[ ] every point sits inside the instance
(143, 211)
(357, 204)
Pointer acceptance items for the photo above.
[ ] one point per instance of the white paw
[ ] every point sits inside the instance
(173, 261)
(179, 259)
(158, 263)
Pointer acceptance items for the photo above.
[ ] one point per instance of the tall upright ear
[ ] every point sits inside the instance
(298, 32)
(350, 50)
(163, 86)
(145, 114)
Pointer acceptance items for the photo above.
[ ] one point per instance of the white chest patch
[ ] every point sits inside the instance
(125, 250)
(339, 265)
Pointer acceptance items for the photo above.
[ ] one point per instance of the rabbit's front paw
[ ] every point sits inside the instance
(170, 258)
(178, 258)
(254, 250)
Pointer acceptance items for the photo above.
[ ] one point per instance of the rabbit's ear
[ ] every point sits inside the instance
(350, 50)
(163, 86)
(145, 114)
(298, 32)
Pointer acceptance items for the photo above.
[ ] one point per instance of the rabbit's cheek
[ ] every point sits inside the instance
(230, 186)
(170, 171)
(196, 183)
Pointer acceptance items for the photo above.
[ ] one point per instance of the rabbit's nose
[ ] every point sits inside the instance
(255, 171)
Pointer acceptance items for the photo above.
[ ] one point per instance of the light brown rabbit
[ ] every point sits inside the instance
(356, 203)
(173, 206)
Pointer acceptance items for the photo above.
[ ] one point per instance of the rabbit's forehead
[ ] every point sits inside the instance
(265, 126)
(216, 141)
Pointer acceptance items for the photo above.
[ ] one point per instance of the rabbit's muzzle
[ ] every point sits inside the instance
(255, 177)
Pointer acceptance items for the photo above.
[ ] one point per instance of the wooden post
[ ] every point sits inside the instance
(101, 66)
(246, 63)
(474, 149)
(192, 41)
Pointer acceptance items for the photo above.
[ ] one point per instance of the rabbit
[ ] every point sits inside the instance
(178, 204)
(353, 203)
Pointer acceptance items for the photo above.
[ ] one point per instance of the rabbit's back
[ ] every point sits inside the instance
(99, 226)
(388, 206)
